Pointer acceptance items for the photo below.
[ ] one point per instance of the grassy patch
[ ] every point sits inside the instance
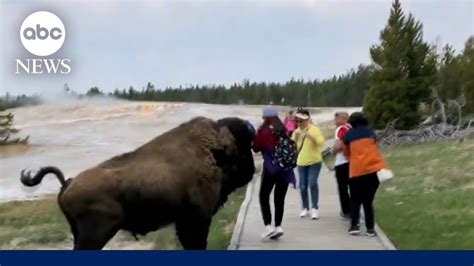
(430, 203)
(25, 222)
(40, 223)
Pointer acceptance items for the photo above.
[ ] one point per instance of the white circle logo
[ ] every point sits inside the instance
(42, 33)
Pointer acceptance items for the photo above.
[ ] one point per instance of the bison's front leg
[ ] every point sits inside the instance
(192, 231)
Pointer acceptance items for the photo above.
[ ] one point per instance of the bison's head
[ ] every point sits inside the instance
(242, 132)
(235, 157)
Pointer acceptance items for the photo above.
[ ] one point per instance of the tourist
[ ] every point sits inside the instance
(273, 178)
(290, 122)
(365, 161)
(341, 163)
(309, 142)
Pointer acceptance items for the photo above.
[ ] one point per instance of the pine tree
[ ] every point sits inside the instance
(7, 130)
(449, 74)
(404, 72)
(467, 61)
(94, 91)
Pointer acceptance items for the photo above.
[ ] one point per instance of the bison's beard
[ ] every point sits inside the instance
(237, 172)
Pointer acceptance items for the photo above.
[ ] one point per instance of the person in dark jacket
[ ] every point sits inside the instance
(273, 177)
(365, 161)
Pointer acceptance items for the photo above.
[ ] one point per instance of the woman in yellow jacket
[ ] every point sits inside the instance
(309, 142)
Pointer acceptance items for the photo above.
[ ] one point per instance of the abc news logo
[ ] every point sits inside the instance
(42, 34)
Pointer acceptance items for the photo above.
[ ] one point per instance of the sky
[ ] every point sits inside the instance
(117, 44)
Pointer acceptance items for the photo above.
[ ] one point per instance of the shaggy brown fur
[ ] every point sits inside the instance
(180, 177)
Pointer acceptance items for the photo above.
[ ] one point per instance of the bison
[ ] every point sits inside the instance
(181, 177)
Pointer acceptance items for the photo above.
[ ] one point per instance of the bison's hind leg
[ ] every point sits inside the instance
(73, 226)
(94, 230)
(193, 231)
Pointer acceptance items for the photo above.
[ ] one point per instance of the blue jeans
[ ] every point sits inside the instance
(309, 177)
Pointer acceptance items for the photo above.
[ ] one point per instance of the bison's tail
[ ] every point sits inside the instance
(29, 181)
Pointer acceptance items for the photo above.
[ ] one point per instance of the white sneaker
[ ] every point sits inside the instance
(268, 232)
(278, 233)
(314, 214)
(304, 213)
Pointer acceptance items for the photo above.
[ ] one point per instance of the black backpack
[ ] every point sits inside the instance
(285, 153)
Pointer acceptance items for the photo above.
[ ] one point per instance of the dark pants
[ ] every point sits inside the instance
(363, 189)
(281, 186)
(342, 177)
